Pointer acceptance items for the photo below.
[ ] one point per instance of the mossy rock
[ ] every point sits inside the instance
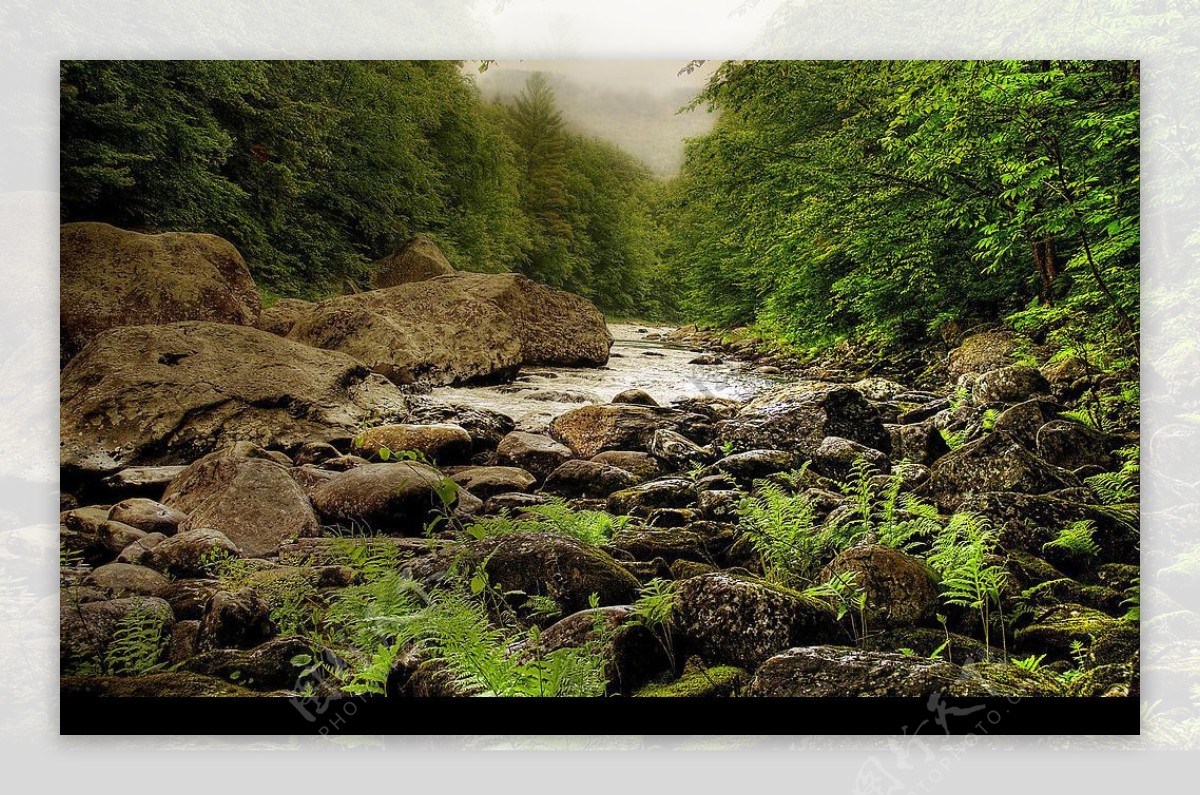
(1107, 681)
(1053, 631)
(924, 641)
(716, 682)
(733, 620)
(175, 684)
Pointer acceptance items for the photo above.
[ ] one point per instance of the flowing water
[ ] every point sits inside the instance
(660, 368)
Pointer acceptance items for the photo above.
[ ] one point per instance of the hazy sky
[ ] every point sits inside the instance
(631, 103)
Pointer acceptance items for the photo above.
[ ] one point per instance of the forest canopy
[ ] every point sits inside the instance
(315, 168)
(883, 199)
(833, 199)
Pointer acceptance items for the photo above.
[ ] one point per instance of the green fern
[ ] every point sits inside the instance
(953, 439)
(138, 643)
(554, 516)
(1077, 540)
(784, 531)
(963, 556)
(1031, 663)
(988, 421)
(652, 609)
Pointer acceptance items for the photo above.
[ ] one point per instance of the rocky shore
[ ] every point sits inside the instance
(242, 489)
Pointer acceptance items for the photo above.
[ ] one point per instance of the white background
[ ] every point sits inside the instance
(35, 34)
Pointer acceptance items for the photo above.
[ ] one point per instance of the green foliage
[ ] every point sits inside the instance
(138, 643)
(848, 599)
(652, 609)
(972, 578)
(315, 168)
(554, 516)
(1031, 663)
(784, 531)
(881, 198)
(953, 439)
(884, 514)
(1120, 487)
(1077, 540)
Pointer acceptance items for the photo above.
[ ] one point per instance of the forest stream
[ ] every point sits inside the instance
(641, 358)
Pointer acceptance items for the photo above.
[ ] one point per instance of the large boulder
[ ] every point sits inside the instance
(537, 454)
(443, 443)
(595, 429)
(417, 260)
(726, 619)
(168, 394)
(460, 328)
(834, 671)
(981, 352)
(997, 462)
(279, 317)
(899, 589)
(397, 498)
(246, 495)
(1009, 385)
(111, 277)
(556, 328)
(798, 418)
(527, 564)
(587, 479)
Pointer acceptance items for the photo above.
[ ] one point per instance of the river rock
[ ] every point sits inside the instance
(595, 429)
(677, 451)
(150, 395)
(122, 579)
(189, 553)
(486, 427)
(1009, 385)
(111, 277)
(246, 495)
(900, 590)
(1029, 521)
(644, 466)
(234, 620)
(920, 443)
(417, 260)
(459, 328)
(539, 455)
(146, 482)
(798, 418)
(587, 479)
(732, 620)
(997, 462)
(147, 515)
(564, 569)
(264, 667)
(661, 493)
(1024, 419)
(637, 397)
(751, 465)
(396, 497)
(485, 482)
(981, 352)
(835, 457)
(444, 444)
(834, 671)
(1071, 445)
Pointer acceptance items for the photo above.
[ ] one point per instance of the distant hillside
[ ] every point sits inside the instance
(644, 123)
